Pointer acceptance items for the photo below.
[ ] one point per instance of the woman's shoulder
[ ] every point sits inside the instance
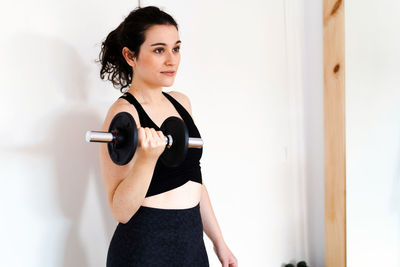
(182, 99)
(120, 105)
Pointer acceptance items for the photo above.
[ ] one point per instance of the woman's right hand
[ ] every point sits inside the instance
(151, 143)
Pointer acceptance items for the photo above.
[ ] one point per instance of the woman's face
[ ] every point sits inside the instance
(159, 53)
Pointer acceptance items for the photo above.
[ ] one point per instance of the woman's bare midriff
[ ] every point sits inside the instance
(183, 197)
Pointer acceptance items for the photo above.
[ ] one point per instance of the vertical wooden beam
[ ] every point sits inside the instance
(334, 133)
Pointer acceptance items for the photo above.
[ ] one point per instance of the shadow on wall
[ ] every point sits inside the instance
(74, 161)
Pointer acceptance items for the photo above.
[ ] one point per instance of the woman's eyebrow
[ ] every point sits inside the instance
(177, 42)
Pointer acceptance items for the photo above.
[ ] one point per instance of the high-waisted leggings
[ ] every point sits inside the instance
(156, 237)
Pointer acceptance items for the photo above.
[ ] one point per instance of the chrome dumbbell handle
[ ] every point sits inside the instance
(97, 136)
(195, 142)
(106, 137)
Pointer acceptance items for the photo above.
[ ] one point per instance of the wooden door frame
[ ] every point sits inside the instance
(334, 133)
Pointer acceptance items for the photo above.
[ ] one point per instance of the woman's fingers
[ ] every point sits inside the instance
(151, 142)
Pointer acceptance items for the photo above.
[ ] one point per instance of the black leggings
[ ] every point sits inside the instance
(159, 237)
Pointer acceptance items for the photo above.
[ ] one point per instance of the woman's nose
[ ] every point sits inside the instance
(171, 58)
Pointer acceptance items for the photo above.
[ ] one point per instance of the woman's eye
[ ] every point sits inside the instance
(160, 49)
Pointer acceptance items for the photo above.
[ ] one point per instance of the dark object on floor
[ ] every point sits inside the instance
(299, 264)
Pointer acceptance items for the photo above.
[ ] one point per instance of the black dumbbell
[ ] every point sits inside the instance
(122, 139)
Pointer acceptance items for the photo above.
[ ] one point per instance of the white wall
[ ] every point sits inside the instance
(313, 123)
(372, 133)
(253, 75)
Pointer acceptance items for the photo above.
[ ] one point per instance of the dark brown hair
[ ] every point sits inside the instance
(130, 33)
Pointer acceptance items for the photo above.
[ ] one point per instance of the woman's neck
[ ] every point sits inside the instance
(146, 94)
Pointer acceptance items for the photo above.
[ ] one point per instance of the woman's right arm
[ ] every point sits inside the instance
(130, 192)
(126, 186)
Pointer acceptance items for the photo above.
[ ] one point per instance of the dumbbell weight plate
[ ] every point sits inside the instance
(175, 155)
(122, 151)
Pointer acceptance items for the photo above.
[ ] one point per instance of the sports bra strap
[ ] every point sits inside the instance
(127, 96)
(181, 110)
(141, 112)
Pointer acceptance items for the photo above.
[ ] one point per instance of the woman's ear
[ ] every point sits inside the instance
(128, 55)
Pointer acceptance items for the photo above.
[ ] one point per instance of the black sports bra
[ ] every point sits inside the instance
(167, 178)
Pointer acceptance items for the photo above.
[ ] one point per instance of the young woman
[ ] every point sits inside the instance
(162, 211)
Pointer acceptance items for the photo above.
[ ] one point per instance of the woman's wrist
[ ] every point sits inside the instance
(219, 242)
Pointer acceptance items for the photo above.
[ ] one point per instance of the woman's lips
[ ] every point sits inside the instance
(168, 73)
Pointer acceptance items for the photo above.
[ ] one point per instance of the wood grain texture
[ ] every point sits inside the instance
(334, 133)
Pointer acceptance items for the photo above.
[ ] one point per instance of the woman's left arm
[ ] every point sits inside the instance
(210, 224)
(213, 231)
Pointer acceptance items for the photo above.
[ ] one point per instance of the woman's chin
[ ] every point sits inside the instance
(168, 83)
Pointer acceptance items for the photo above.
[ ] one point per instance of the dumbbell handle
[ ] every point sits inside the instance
(106, 137)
